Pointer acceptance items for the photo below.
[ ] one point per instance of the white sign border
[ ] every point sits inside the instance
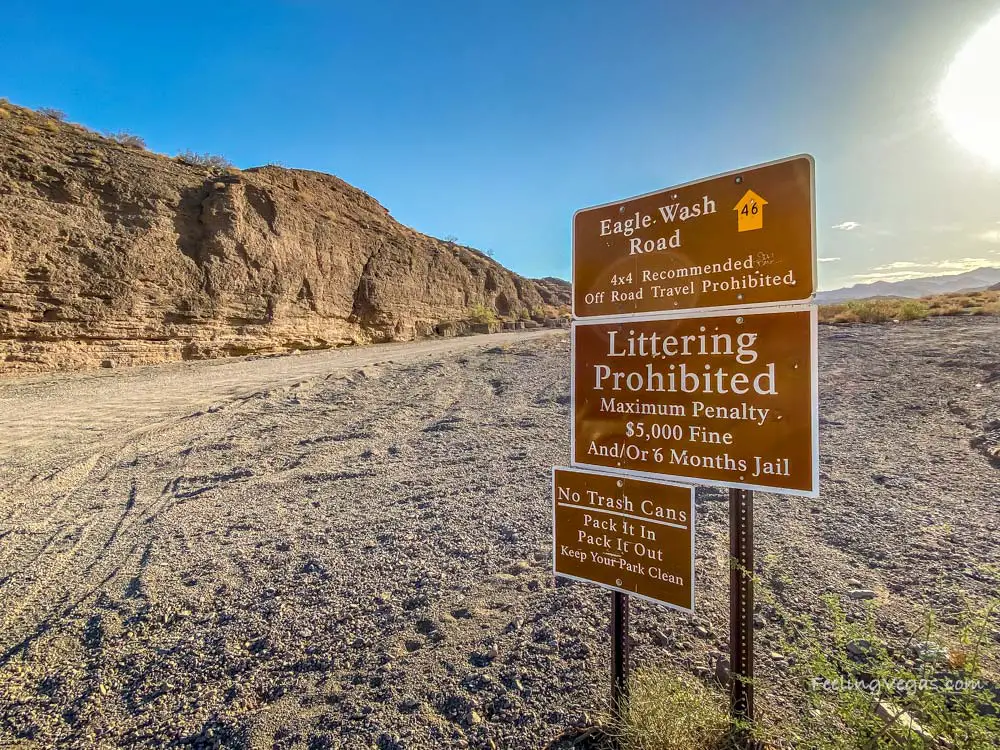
(693, 529)
(655, 315)
(711, 313)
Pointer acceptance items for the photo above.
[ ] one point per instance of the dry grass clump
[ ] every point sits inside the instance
(125, 138)
(213, 161)
(673, 711)
(54, 114)
(965, 303)
(883, 310)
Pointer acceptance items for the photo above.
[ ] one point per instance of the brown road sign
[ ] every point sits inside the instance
(741, 238)
(625, 534)
(708, 398)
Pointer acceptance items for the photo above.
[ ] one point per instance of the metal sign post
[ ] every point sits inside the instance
(741, 611)
(619, 652)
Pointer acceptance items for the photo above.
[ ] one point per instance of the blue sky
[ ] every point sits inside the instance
(494, 122)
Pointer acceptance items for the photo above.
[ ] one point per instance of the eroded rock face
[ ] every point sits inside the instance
(117, 256)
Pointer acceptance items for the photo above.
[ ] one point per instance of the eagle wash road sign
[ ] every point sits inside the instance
(629, 535)
(741, 238)
(724, 399)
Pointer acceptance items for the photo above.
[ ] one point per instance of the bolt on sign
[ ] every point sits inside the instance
(629, 535)
(741, 238)
(707, 398)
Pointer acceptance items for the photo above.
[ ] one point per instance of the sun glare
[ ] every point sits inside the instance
(969, 99)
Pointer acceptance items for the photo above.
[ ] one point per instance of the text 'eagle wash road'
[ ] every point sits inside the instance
(742, 238)
(712, 399)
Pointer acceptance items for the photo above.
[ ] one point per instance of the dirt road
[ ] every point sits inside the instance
(352, 549)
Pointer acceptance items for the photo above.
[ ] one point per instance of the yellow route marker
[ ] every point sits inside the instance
(750, 212)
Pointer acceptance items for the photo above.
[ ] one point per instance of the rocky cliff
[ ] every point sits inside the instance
(111, 254)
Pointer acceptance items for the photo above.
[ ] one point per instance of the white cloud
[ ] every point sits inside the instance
(847, 226)
(992, 235)
(864, 278)
(903, 270)
(828, 260)
(900, 264)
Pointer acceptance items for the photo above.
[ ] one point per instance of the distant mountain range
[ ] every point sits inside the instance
(980, 278)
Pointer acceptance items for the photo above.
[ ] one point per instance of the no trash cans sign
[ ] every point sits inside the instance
(629, 535)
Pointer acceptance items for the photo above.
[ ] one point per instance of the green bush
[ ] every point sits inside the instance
(884, 310)
(480, 313)
(875, 310)
(841, 684)
(866, 691)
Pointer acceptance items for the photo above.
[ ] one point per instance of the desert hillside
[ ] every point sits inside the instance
(111, 254)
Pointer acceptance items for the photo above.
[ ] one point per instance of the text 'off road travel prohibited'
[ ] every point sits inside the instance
(708, 398)
(630, 535)
(742, 238)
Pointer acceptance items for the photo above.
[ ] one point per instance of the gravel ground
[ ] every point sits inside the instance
(352, 549)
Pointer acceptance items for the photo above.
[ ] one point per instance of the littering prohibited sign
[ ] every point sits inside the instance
(628, 535)
(726, 400)
(741, 238)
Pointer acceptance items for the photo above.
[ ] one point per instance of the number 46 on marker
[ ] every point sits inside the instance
(750, 212)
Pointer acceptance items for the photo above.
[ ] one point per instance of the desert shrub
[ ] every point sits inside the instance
(911, 309)
(125, 138)
(4, 114)
(672, 711)
(883, 310)
(30, 130)
(524, 315)
(864, 690)
(451, 238)
(853, 688)
(950, 308)
(874, 311)
(54, 114)
(895, 699)
(480, 313)
(212, 161)
(50, 125)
